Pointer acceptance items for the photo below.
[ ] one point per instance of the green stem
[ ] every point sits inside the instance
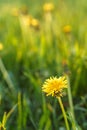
(64, 113)
(70, 98)
(71, 103)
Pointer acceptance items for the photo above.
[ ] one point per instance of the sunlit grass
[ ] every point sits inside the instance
(38, 40)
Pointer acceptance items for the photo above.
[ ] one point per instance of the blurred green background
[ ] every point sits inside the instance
(39, 40)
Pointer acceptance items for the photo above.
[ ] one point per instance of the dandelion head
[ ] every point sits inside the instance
(48, 7)
(67, 29)
(26, 20)
(35, 23)
(55, 86)
(1, 46)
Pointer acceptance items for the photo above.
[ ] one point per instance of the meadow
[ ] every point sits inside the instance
(40, 39)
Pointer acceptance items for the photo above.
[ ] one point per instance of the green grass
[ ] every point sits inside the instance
(30, 55)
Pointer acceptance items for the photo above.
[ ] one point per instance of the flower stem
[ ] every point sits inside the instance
(64, 113)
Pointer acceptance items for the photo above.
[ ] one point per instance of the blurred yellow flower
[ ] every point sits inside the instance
(26, 20)
(48, 7)
(54, 86)
(1, 46)
(35, 23)
(67, 29)
(29, 21)
(15, 12)
(19, 11)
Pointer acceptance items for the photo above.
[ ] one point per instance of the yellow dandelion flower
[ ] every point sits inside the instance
(48, 7)
(1, 46)
(35, 23)
(67, 29)
(54, 86)
(26, 20)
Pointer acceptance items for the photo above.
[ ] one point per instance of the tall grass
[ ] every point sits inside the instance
(31, 54)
